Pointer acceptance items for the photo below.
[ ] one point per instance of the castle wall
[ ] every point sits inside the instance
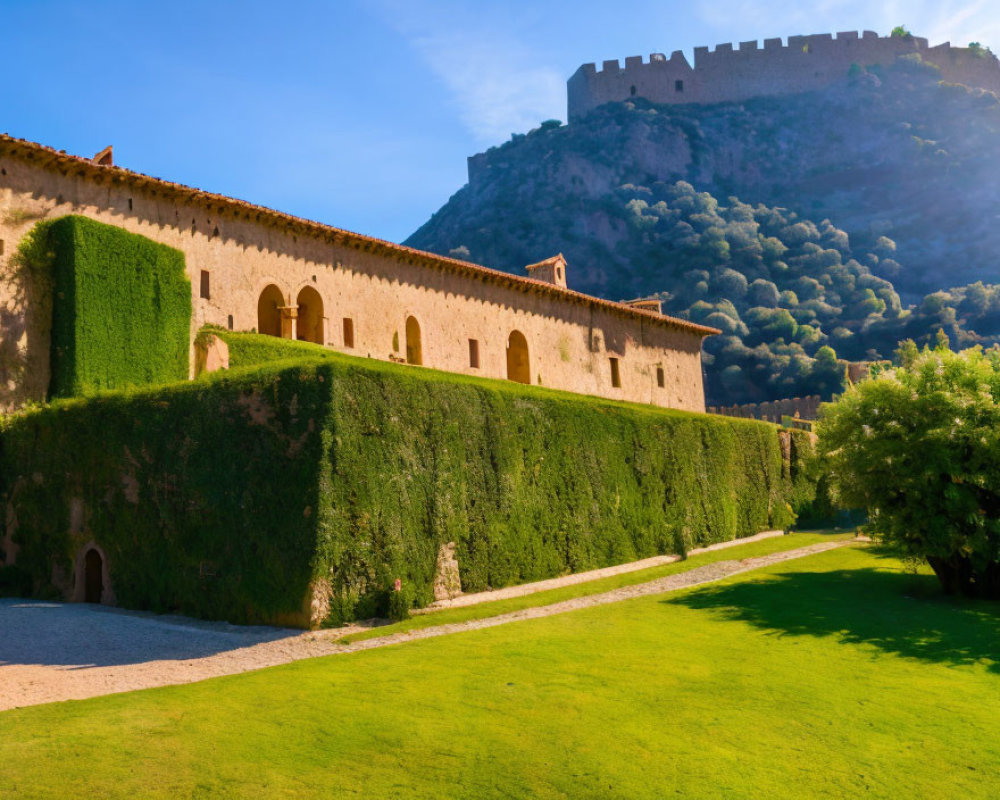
(571, 339)
(733, 73)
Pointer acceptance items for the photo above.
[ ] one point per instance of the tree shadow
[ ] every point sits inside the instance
(901, 613)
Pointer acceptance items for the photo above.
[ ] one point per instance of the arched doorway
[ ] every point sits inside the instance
(518, 365)
(269, 311)
(93, 580)
(310, 322)
(414, 349)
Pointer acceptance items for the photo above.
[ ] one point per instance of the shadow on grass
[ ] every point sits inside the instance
(901, 613)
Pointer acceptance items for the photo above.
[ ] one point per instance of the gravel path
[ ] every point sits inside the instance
(55, 651)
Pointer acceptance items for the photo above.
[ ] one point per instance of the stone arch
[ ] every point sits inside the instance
(414, 346)
(92, 576)
(310, 324)
(269, 310)
(518, 361)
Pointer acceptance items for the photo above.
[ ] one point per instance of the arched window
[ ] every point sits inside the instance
(269, 311)
(309, 327)
(518, 365)
(414, 349)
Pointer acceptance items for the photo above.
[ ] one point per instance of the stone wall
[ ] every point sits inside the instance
(805, 408)
(235, 252)
(731, 73)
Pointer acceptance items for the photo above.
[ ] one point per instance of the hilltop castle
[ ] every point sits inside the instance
(729, 74)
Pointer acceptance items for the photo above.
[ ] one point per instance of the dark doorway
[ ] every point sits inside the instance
(93, 583)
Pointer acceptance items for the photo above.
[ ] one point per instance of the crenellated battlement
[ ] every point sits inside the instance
(737, 72)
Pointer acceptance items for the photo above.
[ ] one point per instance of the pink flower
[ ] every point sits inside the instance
(397, 585)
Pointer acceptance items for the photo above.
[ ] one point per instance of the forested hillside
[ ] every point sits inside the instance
(809, 227)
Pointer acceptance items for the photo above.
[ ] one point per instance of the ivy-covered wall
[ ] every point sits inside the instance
(237, 495)
(203, 495)
(121, 309)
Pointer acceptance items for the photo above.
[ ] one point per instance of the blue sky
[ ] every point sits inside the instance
(359, 113)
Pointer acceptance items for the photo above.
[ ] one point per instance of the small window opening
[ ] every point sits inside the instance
(130, 204)
(474, 353)
(348, 332)
(215, 232)
(616, 378)
(805, 48)
(659, 377)
(230, 322)
(205, 288)
(678, 86)
(632, 91)
(1, 247)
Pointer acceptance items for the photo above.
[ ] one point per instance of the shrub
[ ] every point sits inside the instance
(918, 447)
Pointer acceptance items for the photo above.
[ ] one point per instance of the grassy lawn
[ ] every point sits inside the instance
(496, 607)
(836, 675)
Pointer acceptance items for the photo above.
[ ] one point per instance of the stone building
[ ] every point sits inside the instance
(252, 268)
(729, 73)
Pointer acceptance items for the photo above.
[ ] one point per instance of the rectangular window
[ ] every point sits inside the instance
(230, 322)
(1, 247)
(659, 377)
(205, 291)
(678, 86)
(616, 378)
(474, 353)
(348, 332)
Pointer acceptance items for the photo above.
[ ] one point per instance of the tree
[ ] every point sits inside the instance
(918, 446)
(900, 32)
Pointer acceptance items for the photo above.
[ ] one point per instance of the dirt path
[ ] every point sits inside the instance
(523, 589)
(53, 651)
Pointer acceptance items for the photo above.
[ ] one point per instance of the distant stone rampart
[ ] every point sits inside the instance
(805, 408)
(733, 73)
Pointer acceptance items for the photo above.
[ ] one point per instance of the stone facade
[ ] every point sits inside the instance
(252, 268)
(731, 73)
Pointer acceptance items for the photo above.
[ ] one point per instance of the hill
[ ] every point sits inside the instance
(794, 223)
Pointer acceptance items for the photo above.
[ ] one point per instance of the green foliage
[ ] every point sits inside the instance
(15, 581)
(919, 447)
(121, 309)
(900, 32)
(353, 473)
(399, 603)
(823, 180)
(203, 495)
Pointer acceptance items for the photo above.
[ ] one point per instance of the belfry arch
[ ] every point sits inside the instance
(414, 346)
(310, 323)
(269, 311)
(518, 363)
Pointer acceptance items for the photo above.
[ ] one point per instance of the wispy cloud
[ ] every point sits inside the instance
(499, 85)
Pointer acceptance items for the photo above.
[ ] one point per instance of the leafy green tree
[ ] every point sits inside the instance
(900, 32)
(918, 446)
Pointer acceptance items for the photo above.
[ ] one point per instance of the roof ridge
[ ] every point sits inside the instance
(11, 144)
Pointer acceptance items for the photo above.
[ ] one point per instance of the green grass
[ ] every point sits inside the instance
(837, 675)
(496, 607)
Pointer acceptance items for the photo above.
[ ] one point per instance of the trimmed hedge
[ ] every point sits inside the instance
(202, 495)
(121, 310)
(346, 474)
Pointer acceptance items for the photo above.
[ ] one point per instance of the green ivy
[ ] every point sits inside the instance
(228, 496)
(121, 312)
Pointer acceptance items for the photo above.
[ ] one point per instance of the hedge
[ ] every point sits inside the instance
(347, 474)
(121, 310)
